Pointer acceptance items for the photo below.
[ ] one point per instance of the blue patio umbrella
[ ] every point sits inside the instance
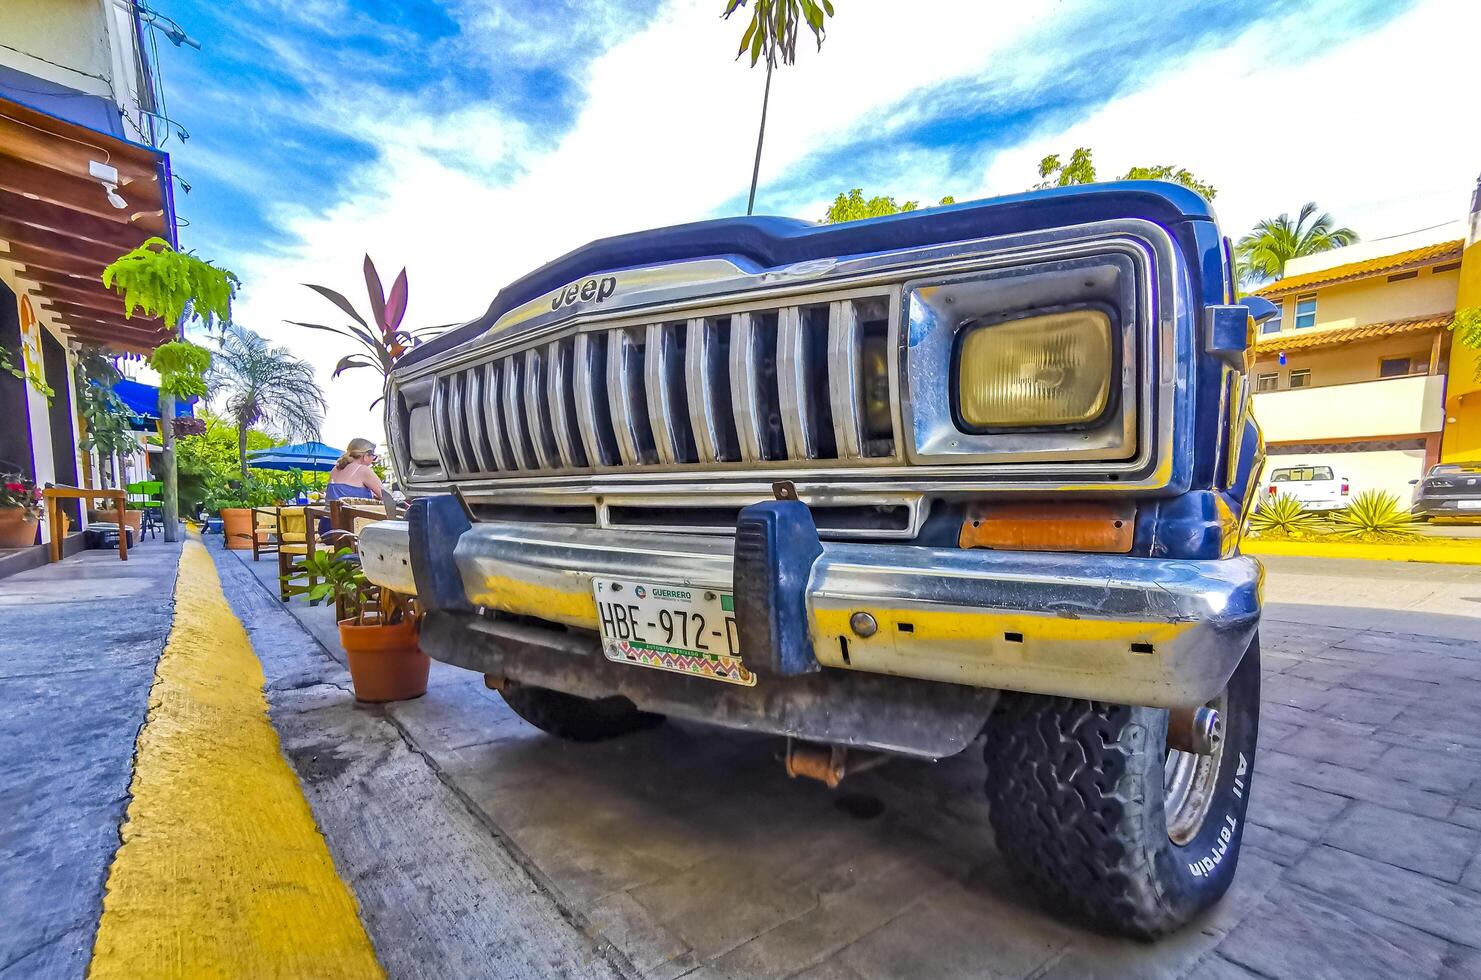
(311, 457)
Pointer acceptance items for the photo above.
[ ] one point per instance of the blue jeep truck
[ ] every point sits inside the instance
(886, 487)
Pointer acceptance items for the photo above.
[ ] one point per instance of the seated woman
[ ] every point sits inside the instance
(354, 477)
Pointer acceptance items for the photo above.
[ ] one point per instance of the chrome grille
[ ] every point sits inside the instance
(772, 385)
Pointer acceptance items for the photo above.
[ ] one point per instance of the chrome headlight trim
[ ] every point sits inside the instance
(1113, 273)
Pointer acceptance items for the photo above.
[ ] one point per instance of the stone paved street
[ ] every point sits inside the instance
(686, 851)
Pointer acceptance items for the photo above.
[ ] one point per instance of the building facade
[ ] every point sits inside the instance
(81, 182)
(1353, 373)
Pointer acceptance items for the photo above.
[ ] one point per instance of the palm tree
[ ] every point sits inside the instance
(264, 384)
(1264, 252)
(773, 32)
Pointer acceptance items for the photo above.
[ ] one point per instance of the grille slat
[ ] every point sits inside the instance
(699, 352)
(620, 396)
(845, 392)
(477, 430)
(775, 384)
(562, 405)
(493, 415)
(541, 438)
(745, 386)
(591, 396)
(512, 402)
(442, 428)
(793, 385)
(668, 411)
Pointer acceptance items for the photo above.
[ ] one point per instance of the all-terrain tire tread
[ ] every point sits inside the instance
(1065, 780)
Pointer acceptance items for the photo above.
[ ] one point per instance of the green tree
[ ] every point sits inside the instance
(854, 207)
(264, 385)
(217, 451)
(772, 33)
(1263, 253)
(1080, 169)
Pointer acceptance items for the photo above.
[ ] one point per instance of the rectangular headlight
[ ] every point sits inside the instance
(1053, 369)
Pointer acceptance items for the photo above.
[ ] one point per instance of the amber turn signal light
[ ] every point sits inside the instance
(1089, 526)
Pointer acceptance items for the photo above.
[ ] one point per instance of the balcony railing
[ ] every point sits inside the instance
(1367, 409)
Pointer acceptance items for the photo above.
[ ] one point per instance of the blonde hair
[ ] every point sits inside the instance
(356, 449)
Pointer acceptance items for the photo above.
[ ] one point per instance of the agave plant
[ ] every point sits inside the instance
(1376, 515)
(1283, 515)
(381, 336)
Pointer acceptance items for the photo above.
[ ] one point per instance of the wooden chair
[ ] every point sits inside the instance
(295, 540)
(264, 531)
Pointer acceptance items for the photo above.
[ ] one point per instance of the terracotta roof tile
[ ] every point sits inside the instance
(1399, 261)
(1308, 339)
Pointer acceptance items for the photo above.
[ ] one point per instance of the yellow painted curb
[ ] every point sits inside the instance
(222, 871)
(1449, 553)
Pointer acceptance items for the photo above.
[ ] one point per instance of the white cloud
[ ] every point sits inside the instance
(665, 133)
(1374, 130)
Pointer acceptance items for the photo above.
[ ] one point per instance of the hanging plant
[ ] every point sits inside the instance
(157, 280)
(182, 368)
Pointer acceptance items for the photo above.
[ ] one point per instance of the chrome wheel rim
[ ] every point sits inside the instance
(1188, 783)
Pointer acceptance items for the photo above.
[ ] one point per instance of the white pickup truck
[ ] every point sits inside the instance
(1314, 486)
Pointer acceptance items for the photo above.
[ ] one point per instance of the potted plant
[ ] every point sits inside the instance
(233, 500)
(230, 504)
(20, 511)
(379, 631)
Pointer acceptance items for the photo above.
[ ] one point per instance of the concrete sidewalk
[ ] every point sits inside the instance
(686, 851)
(440, 893)
(77, 658)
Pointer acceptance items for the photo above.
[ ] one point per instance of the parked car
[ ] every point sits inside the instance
(1315, 486)
(879, 487)
(1449, 490)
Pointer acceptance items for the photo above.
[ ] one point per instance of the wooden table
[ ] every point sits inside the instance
(55, 522)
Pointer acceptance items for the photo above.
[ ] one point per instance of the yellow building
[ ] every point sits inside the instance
(1352, 374)
(1463, 393)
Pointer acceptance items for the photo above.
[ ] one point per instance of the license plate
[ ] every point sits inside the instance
(668, 627)
(1468, 504)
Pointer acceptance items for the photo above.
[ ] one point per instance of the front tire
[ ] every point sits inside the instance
(1091, 807)
(577, 719)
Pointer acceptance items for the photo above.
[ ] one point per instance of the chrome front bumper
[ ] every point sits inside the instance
(1159, 632)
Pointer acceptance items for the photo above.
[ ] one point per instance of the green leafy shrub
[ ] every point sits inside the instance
(1283, 515)
(1374, 516)
(339, 577)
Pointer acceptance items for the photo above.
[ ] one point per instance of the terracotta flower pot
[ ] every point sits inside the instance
(17, 528)
(236, 527)
(385, 662)
(131, 518)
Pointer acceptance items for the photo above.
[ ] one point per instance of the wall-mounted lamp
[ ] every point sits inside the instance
(107, 176)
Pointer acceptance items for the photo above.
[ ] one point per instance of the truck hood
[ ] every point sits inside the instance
(763, 243)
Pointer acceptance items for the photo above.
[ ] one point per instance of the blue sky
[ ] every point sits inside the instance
(471, 140)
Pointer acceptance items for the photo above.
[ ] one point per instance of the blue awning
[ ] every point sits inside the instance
(143, 400)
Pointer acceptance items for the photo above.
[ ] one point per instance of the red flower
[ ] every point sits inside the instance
(14, 487)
